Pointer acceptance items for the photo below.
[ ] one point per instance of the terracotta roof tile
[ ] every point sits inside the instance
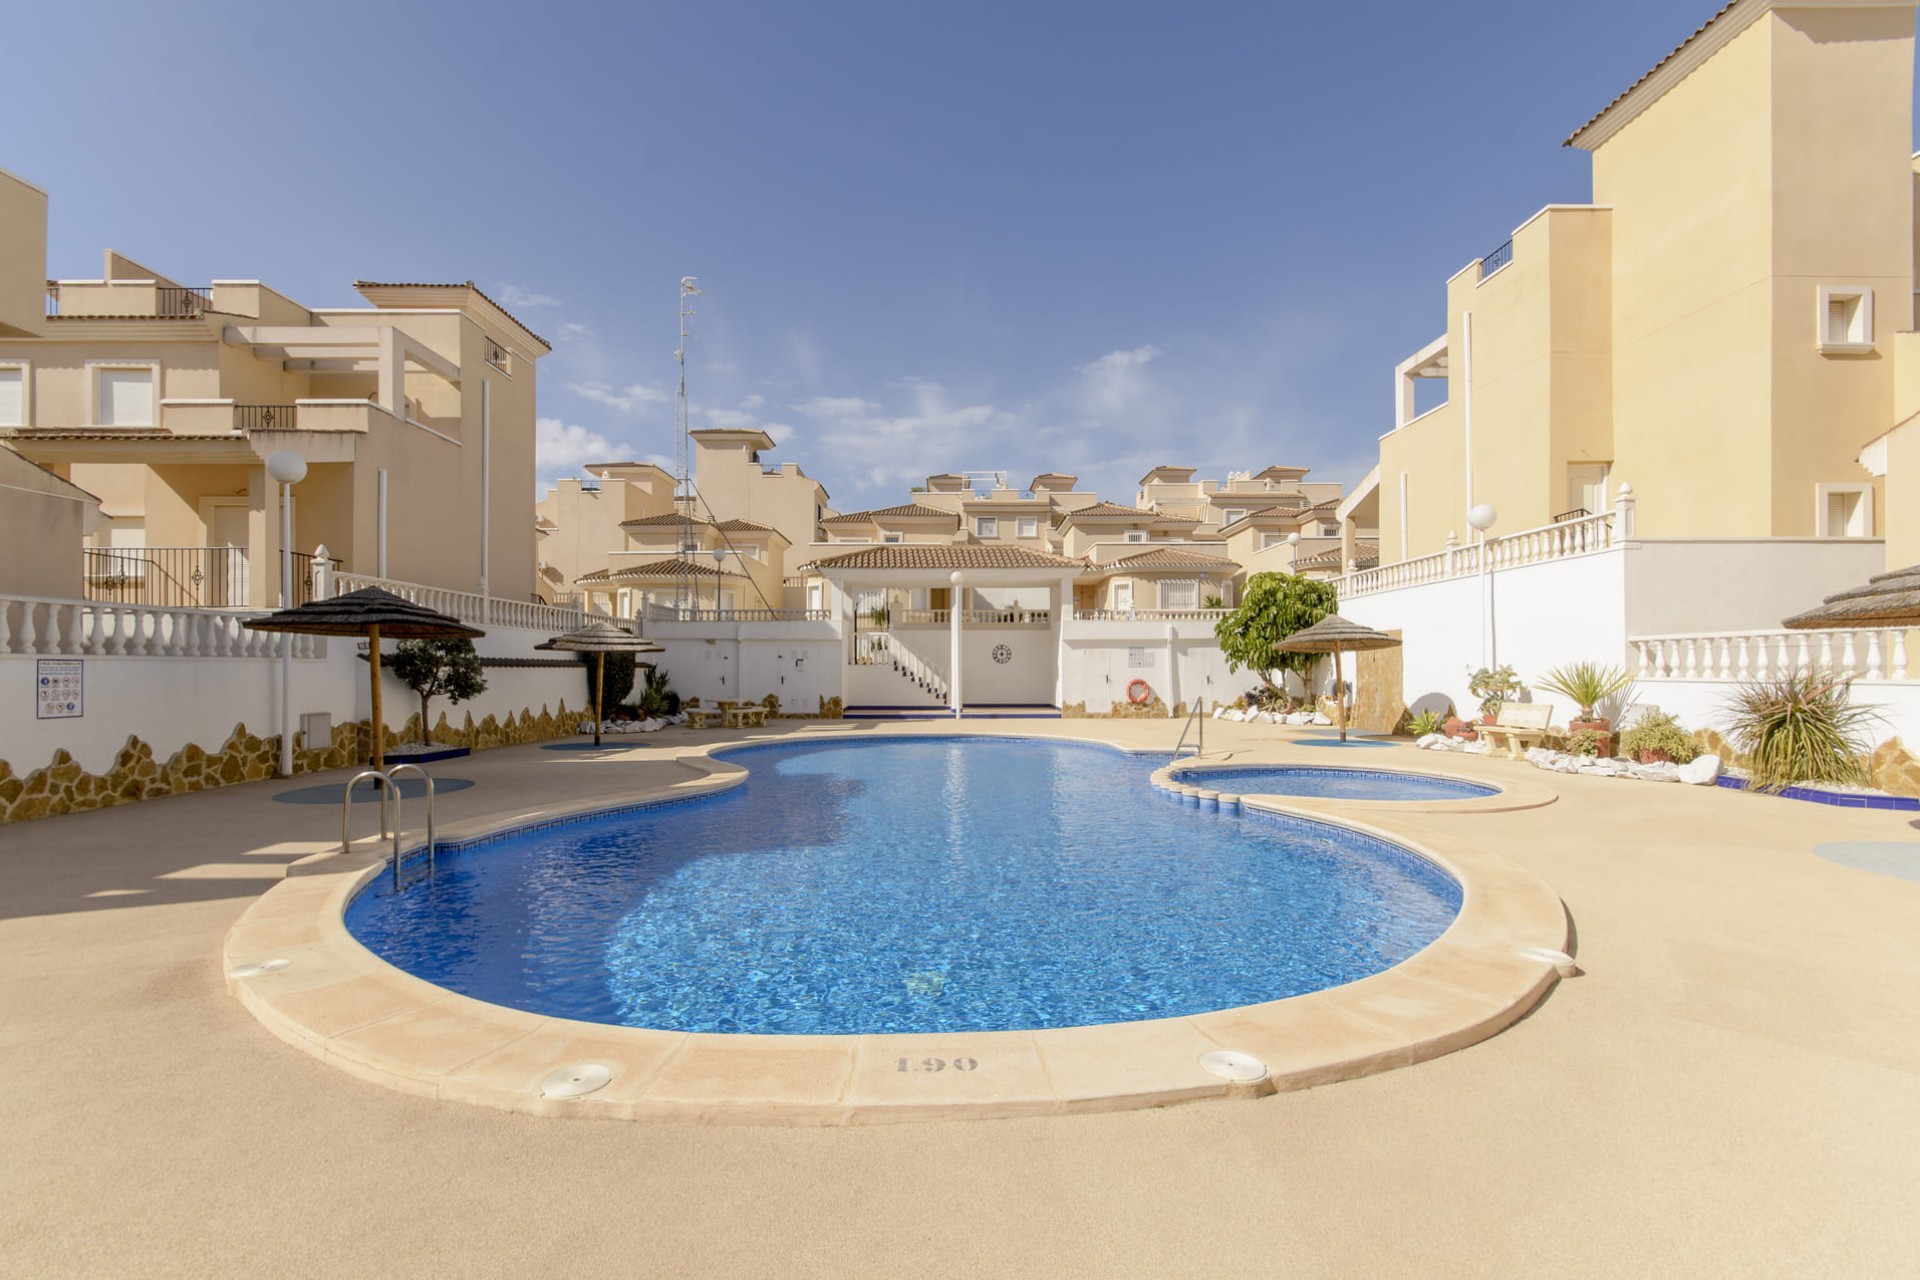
(945, 555)
(907, 510)
(665, 518)
(1574, 137)
(1110, 511)
(1169, 558)
(670, 568)
(463, 284)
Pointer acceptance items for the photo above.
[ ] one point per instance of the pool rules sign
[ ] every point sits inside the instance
(59, 688)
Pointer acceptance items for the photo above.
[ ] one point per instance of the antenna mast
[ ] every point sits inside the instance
(682, 481)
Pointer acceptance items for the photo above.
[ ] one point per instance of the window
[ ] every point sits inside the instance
(1329, 530)
(1136, 535)
(896, 536)
(13, 395)
(1232, 514)
(123, 395)
(1845, 318)
(1843, 511)
(987, 526)
(816, 596)
(1179, 595)
(1123, 594)
(1029, 526)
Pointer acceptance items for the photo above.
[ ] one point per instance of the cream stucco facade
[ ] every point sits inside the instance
(1716, 329)
(414, 414)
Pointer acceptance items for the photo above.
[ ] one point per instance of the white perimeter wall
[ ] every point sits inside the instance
(169, 702)
(1587, 608)
(1098, 663)
(798, 661)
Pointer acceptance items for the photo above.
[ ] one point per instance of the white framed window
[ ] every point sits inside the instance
(1233, 514)
(124, 395)
(1845, 318)
(987, 526)
(1179, 595)
(816, 596)
(1136, 535)
(895, 536)
(1029, 526)
(1329, 530)
(1123, 594)
(13, 393)
(1843, 511)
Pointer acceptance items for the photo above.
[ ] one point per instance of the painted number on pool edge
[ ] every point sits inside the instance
(937, 1064)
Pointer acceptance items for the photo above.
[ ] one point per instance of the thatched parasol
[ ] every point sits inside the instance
(1330, 635)
(1887, 600)
(600, 639)
(372, 613)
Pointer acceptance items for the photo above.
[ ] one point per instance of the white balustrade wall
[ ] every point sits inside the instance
(175, 676)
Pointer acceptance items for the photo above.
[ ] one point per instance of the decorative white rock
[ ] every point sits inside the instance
(1702, 771)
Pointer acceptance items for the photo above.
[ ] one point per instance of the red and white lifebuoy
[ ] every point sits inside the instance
(1138, 692)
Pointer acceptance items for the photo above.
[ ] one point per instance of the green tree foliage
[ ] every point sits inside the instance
(619, 679)
(1273, 607)
(436, 668)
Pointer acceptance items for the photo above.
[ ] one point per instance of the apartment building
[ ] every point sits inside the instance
(1716, 329)
(414, 414)
(578, 525)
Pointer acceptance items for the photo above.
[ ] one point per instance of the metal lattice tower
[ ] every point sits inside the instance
(682, 481)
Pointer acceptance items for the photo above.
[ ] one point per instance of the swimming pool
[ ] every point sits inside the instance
(911, 884)
(1333, 783)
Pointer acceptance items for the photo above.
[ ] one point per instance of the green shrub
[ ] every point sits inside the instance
(1800, 728)
(1588, 683)
(1658, 731)
(433, 668)
(1425, 723)
(1495, 688)
(619, 679)
(657, 698)
(1585, 742)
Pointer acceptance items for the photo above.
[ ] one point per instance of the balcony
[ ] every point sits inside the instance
(221, 417)
(181, 577)
(1497, 259)
(127, 299)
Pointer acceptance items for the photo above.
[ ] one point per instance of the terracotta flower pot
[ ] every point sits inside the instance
(1599, 725)
(1455, 727)
(1645, 756)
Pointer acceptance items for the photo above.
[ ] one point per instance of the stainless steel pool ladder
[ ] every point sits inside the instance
(1194, 717)
(389, 794)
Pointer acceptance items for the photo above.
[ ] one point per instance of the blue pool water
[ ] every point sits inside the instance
(1332, 784)
(911, 885)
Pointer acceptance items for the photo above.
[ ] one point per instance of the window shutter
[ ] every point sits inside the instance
(1837, 514)
(13, 398)
(126, 398)
(1837, 319)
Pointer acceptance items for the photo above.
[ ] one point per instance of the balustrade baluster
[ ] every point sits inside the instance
(1846, 652)
(6, 626)
(1873, 654)
(1899, 653)
(1826, 648)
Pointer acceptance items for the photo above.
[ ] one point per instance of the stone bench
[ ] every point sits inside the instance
(1522, 724)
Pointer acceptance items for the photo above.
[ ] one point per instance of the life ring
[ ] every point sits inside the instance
(1138, 692)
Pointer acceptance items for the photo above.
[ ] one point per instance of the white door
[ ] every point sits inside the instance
(226, 570)
(1587, 487)
(1123, 595)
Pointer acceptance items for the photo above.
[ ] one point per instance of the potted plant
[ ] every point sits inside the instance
(1588, 742)
(1588, 684)
(1427, 722)
(1494, 687)
(1657, 736)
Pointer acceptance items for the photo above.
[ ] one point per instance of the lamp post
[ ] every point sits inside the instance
(289, 469)
(953, 628)
(1482, 518)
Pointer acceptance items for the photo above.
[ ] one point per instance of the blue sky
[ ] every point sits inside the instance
(1087, 237)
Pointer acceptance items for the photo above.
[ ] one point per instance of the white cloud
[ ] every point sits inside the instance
(565, 446)
(753, 402)
(1116, 383)
(780, 432)
(902, 447)
(627, 399)
(514, 296)
(572, 331)
(730, 419)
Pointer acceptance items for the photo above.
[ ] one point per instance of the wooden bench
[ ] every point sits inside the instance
(1522, 724)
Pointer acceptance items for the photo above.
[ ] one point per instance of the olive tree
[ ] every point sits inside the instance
(432, 668)
(1273, 607)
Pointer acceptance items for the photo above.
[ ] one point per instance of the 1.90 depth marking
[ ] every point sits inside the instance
(937, 1064)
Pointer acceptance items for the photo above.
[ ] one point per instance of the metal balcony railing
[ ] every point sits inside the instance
(265, 417)
(1497, 259)
(184, 577)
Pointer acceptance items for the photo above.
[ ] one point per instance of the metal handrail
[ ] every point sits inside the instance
(393, 773)
(387, 792)
(1194, 717)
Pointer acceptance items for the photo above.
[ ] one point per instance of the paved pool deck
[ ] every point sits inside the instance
(1731, 1088)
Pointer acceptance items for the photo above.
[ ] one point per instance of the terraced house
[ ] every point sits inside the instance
(414, 414)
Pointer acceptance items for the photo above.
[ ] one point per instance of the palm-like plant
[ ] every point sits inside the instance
(1588, 683)
(1800, 727)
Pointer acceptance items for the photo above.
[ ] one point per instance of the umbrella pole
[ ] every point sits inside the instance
(599, 691)
(373, 659)
(1339, 695)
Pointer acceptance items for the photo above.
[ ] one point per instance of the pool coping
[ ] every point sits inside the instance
(337, 1001)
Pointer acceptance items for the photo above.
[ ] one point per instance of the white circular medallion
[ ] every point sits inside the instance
(1231, 1064)
(575, 1080)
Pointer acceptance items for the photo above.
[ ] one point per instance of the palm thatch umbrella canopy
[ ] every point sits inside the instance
(372, 613)
(1887, 600)
(601, 639)
(1332, 634)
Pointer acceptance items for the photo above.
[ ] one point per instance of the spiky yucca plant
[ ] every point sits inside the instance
(1800, 727)
(1588, 683)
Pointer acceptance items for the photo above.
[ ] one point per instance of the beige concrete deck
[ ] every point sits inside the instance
(1732, 1088)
